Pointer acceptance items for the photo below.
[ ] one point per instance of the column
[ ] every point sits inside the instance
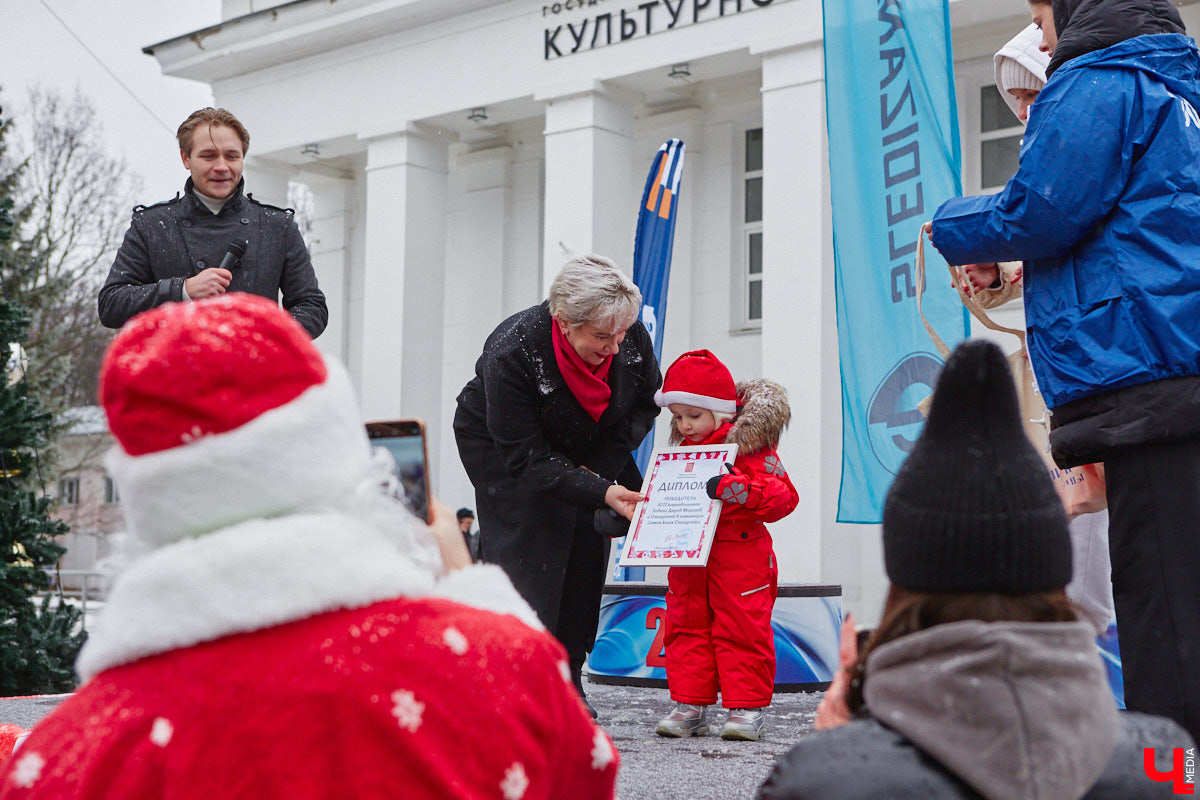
(329, 252)
(267, 180)
(400, 324)
(799, 333)
(479, 226)
(590, 193)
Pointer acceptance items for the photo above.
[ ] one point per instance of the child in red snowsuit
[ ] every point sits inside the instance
(718, 635)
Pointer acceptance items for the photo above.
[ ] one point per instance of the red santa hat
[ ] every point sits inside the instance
(224, 411)
(188, 370)
(698, 378)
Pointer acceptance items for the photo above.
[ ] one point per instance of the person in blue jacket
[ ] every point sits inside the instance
(1105, 210)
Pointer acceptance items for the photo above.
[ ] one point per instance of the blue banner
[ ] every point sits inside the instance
(893, 158)
(652, 245)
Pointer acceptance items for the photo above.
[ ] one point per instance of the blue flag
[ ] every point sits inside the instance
(652, 247)
(893, 158)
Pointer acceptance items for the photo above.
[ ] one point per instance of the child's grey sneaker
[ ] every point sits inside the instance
(684, 720)
(744, 724)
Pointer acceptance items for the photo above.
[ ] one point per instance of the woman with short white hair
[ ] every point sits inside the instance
(562, 394)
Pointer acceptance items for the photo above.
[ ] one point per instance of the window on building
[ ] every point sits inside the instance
(752, 232)
(68, 491)
(110, 490)
(1000, 135)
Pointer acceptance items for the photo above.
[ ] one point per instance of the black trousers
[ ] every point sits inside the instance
(1154, 540)
(579, 606)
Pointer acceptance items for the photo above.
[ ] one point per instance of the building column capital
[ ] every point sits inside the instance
(587, 104)
(415, 145)
(793, 65)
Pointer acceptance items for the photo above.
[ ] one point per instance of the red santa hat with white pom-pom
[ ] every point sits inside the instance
(224, 410)
(698, 378)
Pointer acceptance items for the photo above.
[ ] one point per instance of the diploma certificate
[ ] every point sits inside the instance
(675, 524)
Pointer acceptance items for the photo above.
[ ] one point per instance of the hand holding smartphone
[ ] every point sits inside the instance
(405, 440)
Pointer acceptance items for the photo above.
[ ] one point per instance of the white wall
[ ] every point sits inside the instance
(507, 191)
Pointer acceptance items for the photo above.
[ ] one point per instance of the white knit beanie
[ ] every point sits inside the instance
(1015, 76)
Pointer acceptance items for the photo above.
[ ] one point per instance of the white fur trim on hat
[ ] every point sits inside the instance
(306, 454)
(269, 572)
(664, 399)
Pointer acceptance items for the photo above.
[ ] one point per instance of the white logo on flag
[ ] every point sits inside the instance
(649, 320)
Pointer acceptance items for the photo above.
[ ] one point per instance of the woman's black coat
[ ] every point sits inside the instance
(539, 463)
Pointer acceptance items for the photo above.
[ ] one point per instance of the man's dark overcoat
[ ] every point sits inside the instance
(169, 242)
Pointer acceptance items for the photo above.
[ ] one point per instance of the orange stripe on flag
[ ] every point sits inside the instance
(664, 210)
(653, 198)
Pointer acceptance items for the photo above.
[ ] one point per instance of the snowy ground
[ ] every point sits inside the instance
(700, 768)
(652, 768)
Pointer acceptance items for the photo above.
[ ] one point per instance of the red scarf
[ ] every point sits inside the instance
(589, 384)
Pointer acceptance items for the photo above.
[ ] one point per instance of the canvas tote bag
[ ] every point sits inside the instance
(1082, 489)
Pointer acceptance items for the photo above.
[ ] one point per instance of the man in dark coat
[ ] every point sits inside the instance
(175, 250)
(542, 464)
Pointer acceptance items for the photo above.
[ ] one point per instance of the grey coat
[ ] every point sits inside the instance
(172, 241)
(1004, 711)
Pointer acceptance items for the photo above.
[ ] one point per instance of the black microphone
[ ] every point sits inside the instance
(237, 249)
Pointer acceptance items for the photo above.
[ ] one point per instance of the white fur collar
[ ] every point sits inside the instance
(263, 573)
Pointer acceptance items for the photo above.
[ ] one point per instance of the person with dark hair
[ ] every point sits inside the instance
(980, 680)
(466, 518)
(1105, 211)
(562, 394)
(177, 250)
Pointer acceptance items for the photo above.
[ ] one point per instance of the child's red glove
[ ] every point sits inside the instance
(731, 488)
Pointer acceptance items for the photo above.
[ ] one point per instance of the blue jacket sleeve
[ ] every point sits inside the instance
(1075, 162)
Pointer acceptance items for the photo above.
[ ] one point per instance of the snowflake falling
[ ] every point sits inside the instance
(455, 640)
(28, 770)
(187, 437)
(602, 754)
(565, 670)
(162, 731)
(515, 782)
(407, 709)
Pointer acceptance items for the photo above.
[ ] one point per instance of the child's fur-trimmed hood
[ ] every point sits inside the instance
(763, 414)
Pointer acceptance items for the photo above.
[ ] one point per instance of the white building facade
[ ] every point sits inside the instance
(459, 151)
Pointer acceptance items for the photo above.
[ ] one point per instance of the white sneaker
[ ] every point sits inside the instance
(684, 720)
(744, 724)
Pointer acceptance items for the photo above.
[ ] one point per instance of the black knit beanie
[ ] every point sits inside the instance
(973, 508)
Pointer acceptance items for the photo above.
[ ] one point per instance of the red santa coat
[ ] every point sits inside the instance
(398, 699)
(718, 637)
(306, 656)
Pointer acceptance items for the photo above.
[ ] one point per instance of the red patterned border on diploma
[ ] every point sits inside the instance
(697, 455)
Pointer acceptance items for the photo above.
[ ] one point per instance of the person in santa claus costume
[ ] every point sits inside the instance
(718, 634)
(282, 627)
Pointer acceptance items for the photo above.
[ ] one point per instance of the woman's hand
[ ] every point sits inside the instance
(833, 711)
(449, 538)
(622, 500)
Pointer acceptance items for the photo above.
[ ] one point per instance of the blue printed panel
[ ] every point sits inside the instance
(807, 630)
(624, 641)
(1110, 654)
(629, 645)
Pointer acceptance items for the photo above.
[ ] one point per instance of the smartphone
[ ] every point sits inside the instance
(405, 440)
